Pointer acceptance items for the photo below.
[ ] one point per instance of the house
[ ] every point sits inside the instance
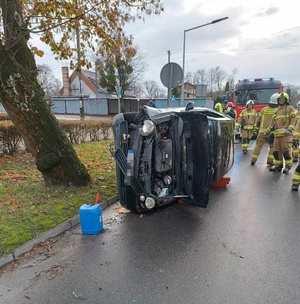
(189, 90)
(88, 87)
(193, 90)
(82, 94)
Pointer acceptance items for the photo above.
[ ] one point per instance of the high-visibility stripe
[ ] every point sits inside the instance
(269, 111)
(248, 114)
(296, 177)
(279, 132)
(285, 116)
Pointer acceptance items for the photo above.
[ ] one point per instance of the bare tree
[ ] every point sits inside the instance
(139, 65)
(47, 81)
(294, 94)
(189, 77)
(200, 77)
(231, 78)
(220, 76)
(211, 77)
(152, 90)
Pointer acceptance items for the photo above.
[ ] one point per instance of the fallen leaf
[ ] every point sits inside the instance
(122, 210)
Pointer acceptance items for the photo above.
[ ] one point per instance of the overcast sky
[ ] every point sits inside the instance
(260, 38)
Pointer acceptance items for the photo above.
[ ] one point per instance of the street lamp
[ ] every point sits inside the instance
(183, 61)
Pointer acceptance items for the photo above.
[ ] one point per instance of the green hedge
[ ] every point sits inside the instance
(77, 131)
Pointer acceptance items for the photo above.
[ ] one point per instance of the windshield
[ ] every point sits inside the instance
(261, 96)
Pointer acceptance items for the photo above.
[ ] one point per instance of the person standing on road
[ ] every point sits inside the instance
(283, 123)
(151, 103)
(228, 110)
(263, 121)
(246, 123)
(295, 148)
(231, 105)
(296, 175)
(218, 107)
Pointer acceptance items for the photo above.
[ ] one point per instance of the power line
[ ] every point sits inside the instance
(233, 50)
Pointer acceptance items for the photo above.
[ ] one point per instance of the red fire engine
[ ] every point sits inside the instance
(259, 90)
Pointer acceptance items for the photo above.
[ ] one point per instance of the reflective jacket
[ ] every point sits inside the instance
(264, 119)
(283, 120)
(218, 107)
(230, 112)
(296, 132)
(247, 119)
(297, 117)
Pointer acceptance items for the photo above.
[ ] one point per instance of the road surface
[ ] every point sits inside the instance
(243, 249)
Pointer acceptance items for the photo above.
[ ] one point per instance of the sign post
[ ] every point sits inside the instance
(171, 76)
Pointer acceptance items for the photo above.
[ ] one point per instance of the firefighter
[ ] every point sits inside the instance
(296, 175)
(218, 107)
(263, 121)
(295, 148)
(283, 123)
(231, 105)
(228, 110)
(246, 122)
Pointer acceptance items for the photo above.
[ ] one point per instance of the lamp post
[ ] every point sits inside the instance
(183, 61)
(118, 91)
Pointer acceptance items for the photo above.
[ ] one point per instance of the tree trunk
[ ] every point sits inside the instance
(23, 99)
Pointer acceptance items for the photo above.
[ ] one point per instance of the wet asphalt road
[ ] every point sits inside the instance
(244, 248)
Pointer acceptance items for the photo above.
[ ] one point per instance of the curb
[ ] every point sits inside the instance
(67, 225)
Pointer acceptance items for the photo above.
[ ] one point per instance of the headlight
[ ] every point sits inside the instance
(150, 203)
(148, 128)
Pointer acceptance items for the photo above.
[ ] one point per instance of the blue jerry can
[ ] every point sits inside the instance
(90, 219)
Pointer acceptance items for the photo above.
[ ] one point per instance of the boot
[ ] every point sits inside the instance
(295, 159)
(270, 164)
(286, 170)
(245, 151)
(253, 162)
(295, 187)
(275, 169)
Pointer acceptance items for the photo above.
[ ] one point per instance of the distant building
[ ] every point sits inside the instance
(189, 90)
(89, 87)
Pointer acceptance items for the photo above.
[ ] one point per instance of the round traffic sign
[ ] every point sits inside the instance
(171, 75)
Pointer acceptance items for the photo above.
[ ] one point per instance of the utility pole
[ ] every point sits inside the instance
(169, 89)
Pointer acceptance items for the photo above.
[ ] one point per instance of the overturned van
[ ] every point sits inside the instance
(163, 155)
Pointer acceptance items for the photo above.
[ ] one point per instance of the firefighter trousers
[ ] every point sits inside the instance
(283, 145)
(246, 136)
(260, 141)
(296, 150)
(296, 176)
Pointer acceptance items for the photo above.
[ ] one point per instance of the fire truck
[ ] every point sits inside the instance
(259, 90)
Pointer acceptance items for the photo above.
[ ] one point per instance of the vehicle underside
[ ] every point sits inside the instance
(164, 156)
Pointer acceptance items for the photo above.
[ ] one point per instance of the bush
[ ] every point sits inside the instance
(89, 130)
(77, 132)
(10, 139)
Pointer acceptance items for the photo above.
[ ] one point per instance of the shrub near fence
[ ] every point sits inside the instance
(77, 131)
(10, 139)
(89, 130)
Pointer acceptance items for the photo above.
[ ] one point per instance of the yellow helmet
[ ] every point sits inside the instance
(285, 95)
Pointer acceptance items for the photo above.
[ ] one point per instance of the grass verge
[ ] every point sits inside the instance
(28, 208)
